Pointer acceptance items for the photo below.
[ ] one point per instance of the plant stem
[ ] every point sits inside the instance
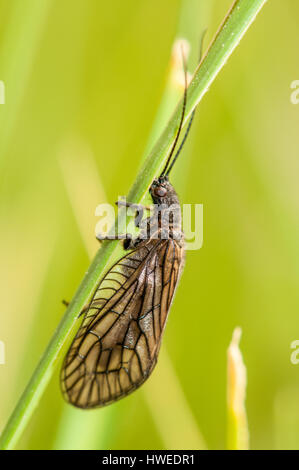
(235, 24)
(237, 425)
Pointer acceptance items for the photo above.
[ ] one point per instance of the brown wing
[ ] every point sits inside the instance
(117, 345)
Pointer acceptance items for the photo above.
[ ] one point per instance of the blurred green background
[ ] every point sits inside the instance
(84, 80)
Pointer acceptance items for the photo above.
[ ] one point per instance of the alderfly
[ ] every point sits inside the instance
(117, 345)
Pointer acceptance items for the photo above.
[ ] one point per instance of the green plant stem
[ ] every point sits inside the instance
(235, 24)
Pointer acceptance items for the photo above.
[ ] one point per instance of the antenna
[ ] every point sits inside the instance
(181, 121)
(167, 171)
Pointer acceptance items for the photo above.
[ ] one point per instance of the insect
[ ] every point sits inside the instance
(117, 345)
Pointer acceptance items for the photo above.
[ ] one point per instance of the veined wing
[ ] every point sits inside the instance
(117, 345)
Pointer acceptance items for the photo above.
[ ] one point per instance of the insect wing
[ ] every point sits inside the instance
(117, 345)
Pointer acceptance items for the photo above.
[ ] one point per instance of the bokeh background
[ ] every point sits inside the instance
(84, 80)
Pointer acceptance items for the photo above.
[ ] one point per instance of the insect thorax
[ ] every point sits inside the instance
(166, 219)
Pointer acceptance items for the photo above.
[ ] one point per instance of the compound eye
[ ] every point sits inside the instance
(160, 191)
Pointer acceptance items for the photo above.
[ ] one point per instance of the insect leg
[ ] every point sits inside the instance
(127, 244)
(138, 217)
(139, 208)
(124, 236)
(131, 243)
(132, 205)
(66, 303)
